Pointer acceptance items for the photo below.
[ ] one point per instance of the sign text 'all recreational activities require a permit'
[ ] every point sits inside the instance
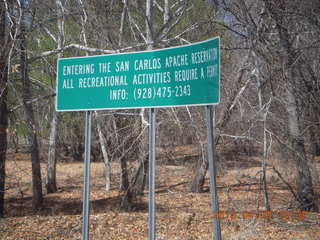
(177, 76)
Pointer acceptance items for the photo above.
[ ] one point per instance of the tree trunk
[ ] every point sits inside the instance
(124, 177)
(138, 182)
(107, 167)
(199, 178)
(37, 199)
(305, 186)
(257, 64)
(137, 186)
(3, 108)
(314, 132)
(3, 130)
(123, 18)
(315, 142)
(51, 183)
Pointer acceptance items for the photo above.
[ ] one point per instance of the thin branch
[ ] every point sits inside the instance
(188, 29)
(285, 145)
(239, 137)
(123, 17)
(70, 46)
(47, 31)
(31, 101)
(229, 28)
(168, 26)
(158, 6)
(239, 94)
(286, 183)
(84, 48)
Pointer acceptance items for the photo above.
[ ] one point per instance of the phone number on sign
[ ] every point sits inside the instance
(162, 92)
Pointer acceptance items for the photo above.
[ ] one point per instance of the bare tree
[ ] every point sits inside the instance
(138, 183)
(106, 160)
(269, 29)
(279, 11)
(3, 99)
(25, 8)
(51, 183)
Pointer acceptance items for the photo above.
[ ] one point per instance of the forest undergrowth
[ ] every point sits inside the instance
(180, 214)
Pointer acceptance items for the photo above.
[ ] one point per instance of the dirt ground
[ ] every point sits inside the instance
(180, 214)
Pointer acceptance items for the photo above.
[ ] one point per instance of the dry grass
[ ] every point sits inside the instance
(180, 214)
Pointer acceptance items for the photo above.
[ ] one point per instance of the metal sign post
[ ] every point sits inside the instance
(152, 174)
(86, 178)
(210, 118)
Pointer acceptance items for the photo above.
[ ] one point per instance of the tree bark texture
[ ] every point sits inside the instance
(199, 178)
(305, 187)
(3, 108)
(314, 132)
(107, 167)
(37, 199)
(51, 183)
(134, 188)
(124, 176)
(315, 141)
(138, 182)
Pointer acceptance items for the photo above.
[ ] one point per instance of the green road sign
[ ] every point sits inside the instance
(178, 76)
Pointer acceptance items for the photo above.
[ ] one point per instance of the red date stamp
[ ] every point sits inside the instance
(267, 215)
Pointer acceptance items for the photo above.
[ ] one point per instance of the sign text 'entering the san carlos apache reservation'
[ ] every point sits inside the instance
(178, 76)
